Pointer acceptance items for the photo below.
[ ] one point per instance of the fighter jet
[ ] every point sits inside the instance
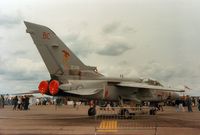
(69, 76)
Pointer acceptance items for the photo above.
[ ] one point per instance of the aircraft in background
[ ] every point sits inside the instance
(70, 77)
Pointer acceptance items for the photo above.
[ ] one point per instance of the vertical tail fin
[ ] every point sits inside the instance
(58, 58)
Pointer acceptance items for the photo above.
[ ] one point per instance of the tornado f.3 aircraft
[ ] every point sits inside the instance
(71, 77)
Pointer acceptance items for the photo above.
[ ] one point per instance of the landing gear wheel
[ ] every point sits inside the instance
(124, 113)
(152, 111)
(92, 111)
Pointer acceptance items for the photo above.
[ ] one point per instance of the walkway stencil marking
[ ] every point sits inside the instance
(108, 126)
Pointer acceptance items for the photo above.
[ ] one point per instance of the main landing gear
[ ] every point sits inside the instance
(124, 113)
(153, 111)
(92, 111)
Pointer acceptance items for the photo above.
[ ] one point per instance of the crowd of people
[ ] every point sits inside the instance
(21, 103)
(188, 101)
(18, 102)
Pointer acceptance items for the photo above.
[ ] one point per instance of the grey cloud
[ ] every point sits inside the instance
(117, 27)
(8, 21)
(83, 44)
(72, 37)
(81, 49)
(177, 74)
(123, 63)
(114, 49)
(17, 75)
(18, 53)
(10, 70)
(110, 28)
(158, 71)
(116, 70)
(11, 75)
(128, 29)
(1, 67)
(80, 45)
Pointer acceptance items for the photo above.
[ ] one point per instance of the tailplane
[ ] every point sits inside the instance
(58, 58)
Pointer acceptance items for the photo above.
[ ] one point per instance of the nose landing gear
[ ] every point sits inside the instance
(92, 111)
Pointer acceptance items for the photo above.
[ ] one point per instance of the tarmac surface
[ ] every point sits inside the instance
(66, 120)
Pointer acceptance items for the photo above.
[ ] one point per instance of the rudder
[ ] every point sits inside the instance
(58, 58)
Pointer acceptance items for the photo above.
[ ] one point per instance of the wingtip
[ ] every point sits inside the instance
(28, 23)
(25, 22)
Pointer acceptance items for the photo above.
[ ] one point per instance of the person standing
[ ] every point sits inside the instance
(19, 102)
(189, 104)
(3, 101)
(177, 102)
(15, 101)
(0, 102)
(181, 108)
(26, 102)
(199, 103)
(160, 106)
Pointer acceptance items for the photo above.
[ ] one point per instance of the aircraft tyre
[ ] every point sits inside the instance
(92, 111)
(125, 113)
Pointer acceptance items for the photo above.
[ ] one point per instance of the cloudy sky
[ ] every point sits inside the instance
(156, 39)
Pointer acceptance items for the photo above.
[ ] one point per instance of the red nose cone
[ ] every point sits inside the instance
(54, 87)
(43, 87)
